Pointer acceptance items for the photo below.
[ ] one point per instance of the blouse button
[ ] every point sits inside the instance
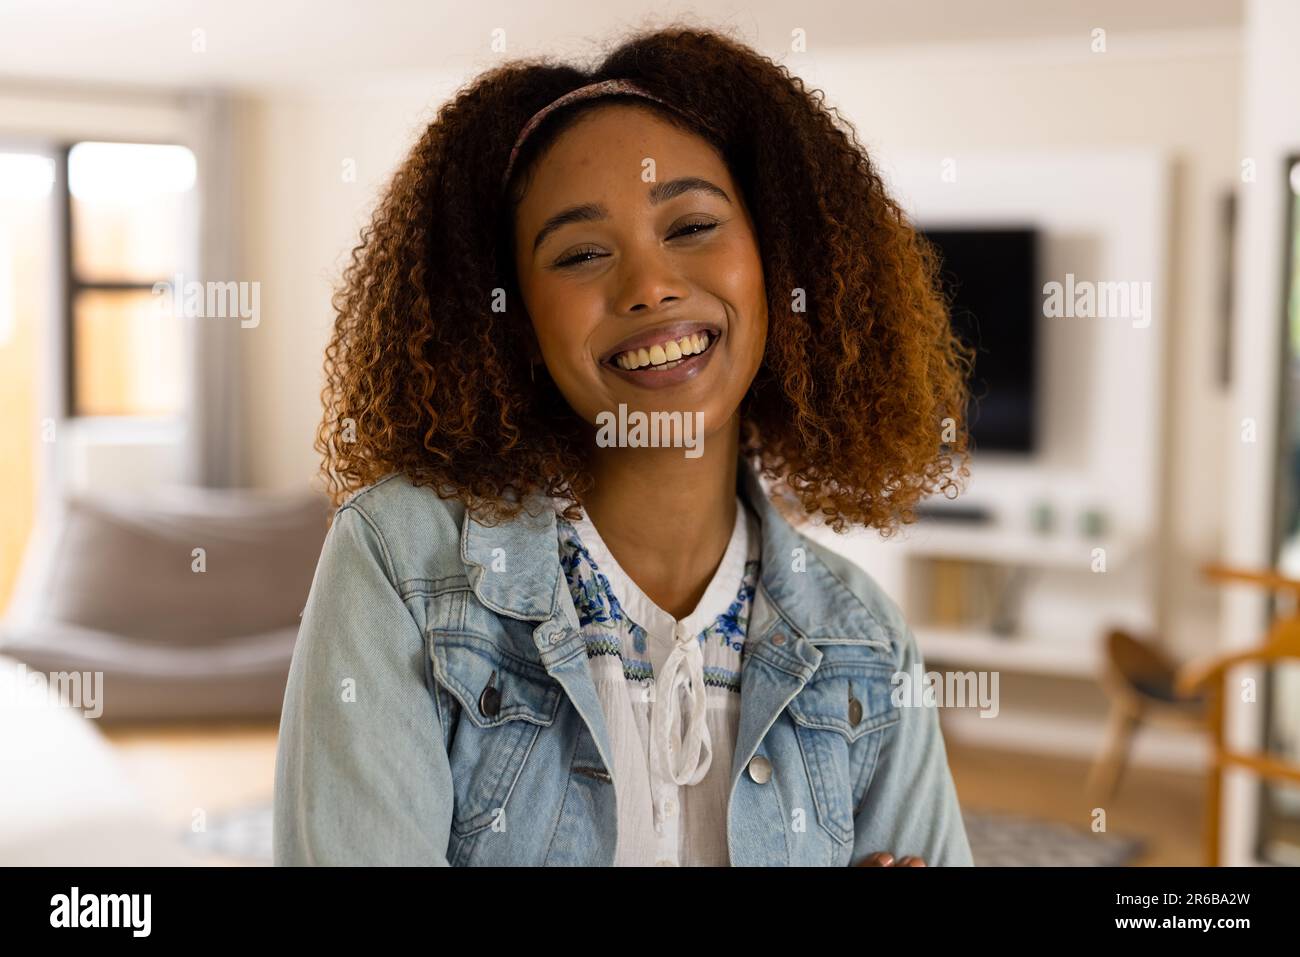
(760, 769)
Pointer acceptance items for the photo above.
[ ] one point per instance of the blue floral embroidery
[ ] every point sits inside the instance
(731, 624)
(596, 604)
(593, 596)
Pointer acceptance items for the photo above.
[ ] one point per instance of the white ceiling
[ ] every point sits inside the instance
(259, 43)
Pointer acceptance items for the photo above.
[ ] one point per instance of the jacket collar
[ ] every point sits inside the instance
(514, 569)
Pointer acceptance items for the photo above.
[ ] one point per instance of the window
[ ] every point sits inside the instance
(125, 208)
(26, 301)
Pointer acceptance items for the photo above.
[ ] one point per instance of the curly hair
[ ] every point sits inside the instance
(858, 408)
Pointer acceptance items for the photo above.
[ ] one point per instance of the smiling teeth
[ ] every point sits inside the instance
(663, 353)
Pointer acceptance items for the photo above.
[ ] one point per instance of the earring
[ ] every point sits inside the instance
(532, 372)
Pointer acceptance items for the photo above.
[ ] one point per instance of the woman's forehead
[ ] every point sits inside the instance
(616, 137)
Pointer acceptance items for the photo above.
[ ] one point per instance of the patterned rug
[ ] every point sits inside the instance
(242, 834)
(1012, 840)
(996, 840)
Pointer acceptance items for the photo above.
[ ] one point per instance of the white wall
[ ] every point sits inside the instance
(301, 218)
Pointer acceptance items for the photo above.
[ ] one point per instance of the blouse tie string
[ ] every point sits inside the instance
(678, 720)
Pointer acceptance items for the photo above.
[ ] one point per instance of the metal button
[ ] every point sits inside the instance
(557, 637)
(760, 769)
(855, 710)
(489, 702)
(778, 638)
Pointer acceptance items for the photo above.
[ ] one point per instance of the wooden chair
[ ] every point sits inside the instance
(1211, 676)
(1140, 681)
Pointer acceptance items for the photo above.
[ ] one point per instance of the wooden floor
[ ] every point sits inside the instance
(1162, 808)
(186, 769)
(218, 767)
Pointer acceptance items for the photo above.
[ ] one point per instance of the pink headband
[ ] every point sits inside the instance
(588, 92)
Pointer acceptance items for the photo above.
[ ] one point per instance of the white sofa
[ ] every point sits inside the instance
(64, 798)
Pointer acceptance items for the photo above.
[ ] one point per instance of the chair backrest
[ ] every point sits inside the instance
(1282, 641)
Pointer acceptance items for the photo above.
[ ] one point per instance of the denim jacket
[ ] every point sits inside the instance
(440, 710)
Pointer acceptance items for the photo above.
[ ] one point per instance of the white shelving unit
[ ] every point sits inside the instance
(1030, 655)
(990, 545)
(1038, 649)
(1102, 217)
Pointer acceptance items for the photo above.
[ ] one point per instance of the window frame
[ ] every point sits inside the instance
(72, 284)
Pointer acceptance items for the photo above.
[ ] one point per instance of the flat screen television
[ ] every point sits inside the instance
(990, 277)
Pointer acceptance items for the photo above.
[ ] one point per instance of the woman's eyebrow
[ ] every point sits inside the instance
(659, 193)
(662, 192)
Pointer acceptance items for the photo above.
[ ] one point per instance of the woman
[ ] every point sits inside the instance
(558, 619)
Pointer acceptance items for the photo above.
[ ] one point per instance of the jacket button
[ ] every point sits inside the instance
(489, 702)
(760, 769)
(855, 711)
(778, 638)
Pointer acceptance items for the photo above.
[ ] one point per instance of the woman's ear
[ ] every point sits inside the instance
(533, 348)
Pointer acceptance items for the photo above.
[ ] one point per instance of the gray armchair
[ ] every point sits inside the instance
(115, 585)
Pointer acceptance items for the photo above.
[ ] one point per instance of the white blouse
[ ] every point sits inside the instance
(670, 691)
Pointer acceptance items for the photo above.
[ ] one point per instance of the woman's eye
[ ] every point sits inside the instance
(695, 228)
(577, 257)
(690, 229)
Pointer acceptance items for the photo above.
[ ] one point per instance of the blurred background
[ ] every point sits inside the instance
(180, 184)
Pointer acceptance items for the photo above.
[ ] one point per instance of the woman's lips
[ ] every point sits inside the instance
(671, 373)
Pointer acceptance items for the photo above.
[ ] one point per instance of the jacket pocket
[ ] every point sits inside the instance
(838, 717)
(504, 703)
